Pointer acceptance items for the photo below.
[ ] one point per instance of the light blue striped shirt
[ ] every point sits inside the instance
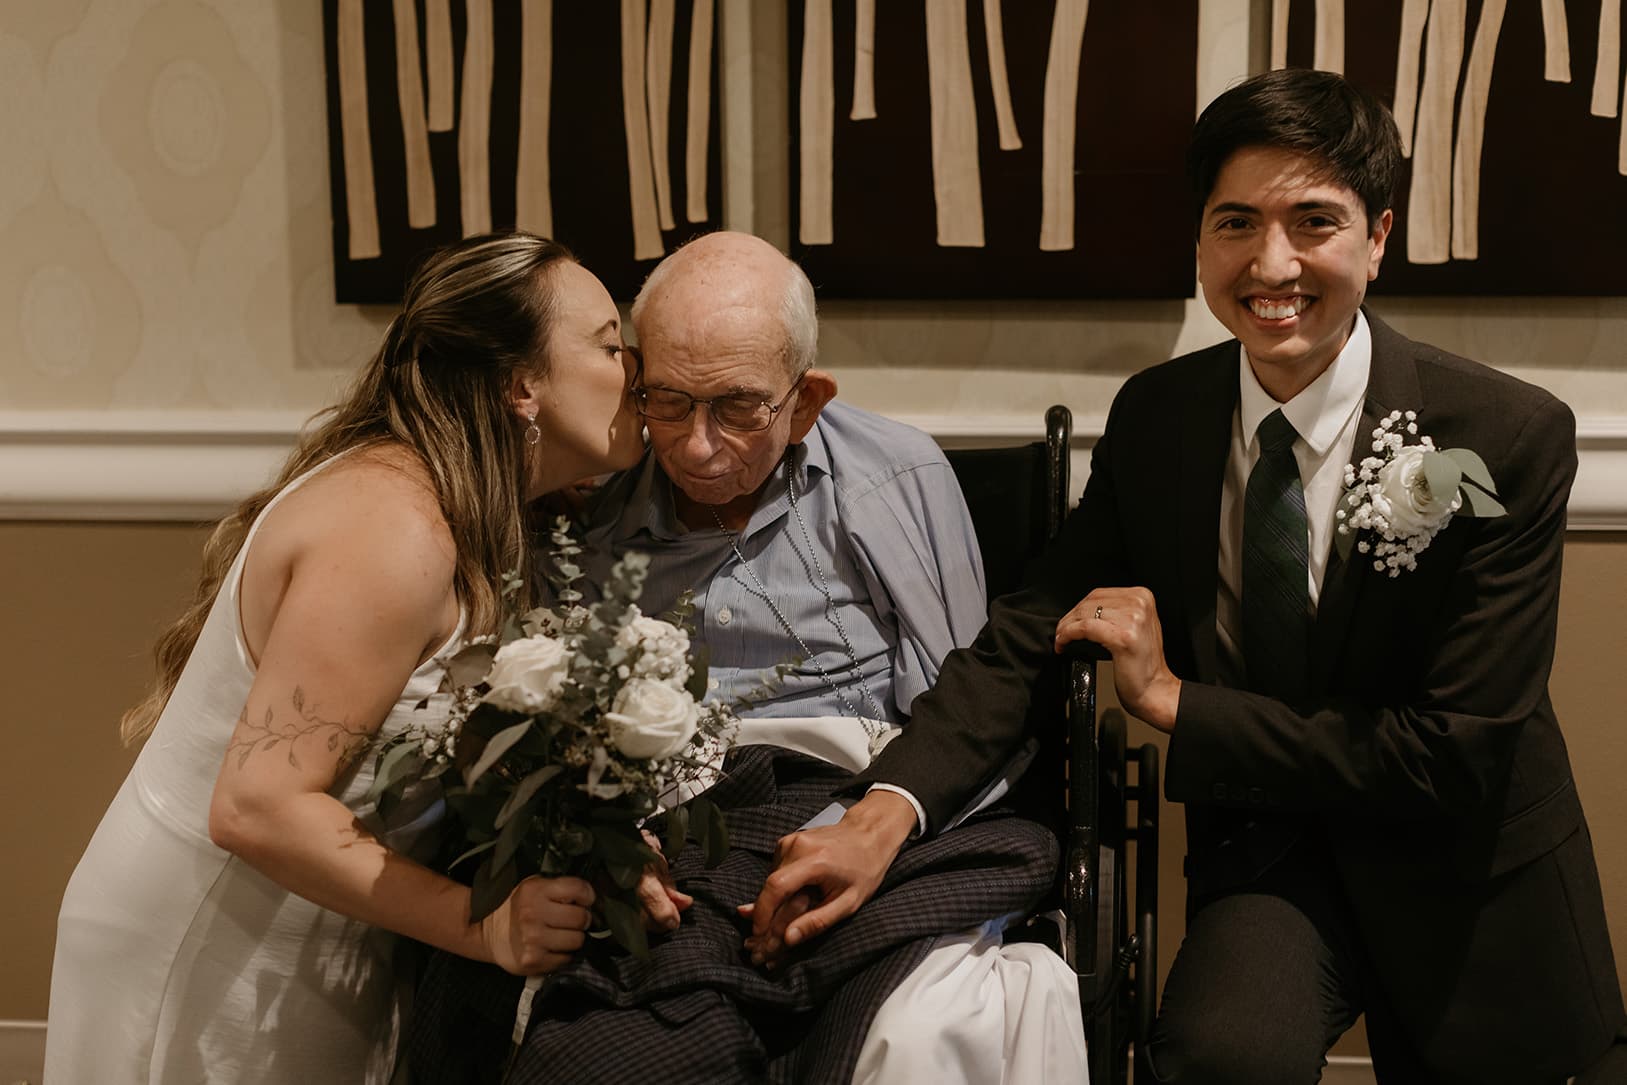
(891, 533)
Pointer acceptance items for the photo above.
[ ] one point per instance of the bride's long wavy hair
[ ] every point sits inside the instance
(475, 317)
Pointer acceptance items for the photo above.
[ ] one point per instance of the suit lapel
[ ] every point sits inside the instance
(1392, 384)
(1205, 438)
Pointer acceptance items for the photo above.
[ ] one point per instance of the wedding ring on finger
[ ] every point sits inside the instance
(1098, 614)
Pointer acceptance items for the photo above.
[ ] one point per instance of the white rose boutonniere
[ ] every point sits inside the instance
(1399, 499)
(527, 674)
(650, 719)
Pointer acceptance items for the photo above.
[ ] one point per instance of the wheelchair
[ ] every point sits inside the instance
(1080, 781)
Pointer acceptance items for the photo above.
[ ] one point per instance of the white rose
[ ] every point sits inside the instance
(1404, 498)
(526, 674)
(651, 720)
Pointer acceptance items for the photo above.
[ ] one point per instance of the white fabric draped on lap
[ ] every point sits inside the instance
(976, 1011)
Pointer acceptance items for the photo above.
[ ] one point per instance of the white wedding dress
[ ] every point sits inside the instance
(178, 962)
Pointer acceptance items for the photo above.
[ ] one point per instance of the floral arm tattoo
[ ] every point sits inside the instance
(271, 733)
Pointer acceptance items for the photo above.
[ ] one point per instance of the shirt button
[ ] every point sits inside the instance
(724, 616)
(712, 683)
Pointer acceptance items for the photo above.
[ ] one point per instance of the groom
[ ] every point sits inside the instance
(1381, 815)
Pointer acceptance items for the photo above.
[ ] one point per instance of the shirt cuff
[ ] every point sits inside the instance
(915, 804)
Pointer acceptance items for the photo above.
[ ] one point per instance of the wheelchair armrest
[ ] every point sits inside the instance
(1085, 651)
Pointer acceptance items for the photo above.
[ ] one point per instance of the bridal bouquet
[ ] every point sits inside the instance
(562, 735)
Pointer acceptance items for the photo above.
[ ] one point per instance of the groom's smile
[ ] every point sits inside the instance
(1285, 253)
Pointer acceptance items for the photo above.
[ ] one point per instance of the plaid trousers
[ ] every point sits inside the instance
(696, 1010)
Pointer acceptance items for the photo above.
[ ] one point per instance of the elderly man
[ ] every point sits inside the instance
(832, 566)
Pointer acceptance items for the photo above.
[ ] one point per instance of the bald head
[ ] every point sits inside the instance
(729, 286)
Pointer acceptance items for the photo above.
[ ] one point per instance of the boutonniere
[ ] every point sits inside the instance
(1397, 500)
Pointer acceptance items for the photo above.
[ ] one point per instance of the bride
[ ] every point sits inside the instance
(229, 919)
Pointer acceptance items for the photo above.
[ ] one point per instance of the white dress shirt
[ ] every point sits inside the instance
(1325, 415)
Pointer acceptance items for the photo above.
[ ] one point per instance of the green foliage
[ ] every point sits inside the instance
(550, 793)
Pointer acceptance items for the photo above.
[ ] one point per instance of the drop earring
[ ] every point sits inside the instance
(533, 434)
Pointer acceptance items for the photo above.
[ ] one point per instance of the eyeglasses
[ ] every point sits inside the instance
(741, 413)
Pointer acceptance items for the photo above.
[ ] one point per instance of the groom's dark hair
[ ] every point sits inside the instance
(1318, 114)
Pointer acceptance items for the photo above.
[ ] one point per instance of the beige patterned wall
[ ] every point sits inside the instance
(164, 207)
(164, 225)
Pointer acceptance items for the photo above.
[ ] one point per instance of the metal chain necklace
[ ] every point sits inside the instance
(875, 724)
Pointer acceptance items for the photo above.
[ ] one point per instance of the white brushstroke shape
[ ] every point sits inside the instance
(355, 134)
(474, 121)
(533, 181)
(698, 128)
(1607, 65)
(438, 53)
(1472, 132)
(864, 61)
(1329, 52)
(409, 89)
(1429, 206)
(957, 185)
(658, 95)
(1414, 14)
(1059, 125)
(647, 244)
(1556, 42)
(994, 34)
(816, 111)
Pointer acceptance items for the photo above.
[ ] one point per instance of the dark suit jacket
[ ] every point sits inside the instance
(1427, 757)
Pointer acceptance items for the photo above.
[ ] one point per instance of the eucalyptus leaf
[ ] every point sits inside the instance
(1479, 503)
(624, 875)
(710, 831)
(470, 664)
(492, 886)
(1442, 475)
(622, 847)
(626, 922)
(394, 765)
(677, 830)
(471, 853)
(513, 833)
(1474, 468)
(527, 788)
(495, 748)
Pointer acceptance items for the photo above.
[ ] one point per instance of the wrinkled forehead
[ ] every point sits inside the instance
(713, 349)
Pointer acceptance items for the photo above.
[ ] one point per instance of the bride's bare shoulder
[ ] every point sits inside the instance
(374, 504)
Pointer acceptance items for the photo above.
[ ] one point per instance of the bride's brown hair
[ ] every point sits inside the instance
(476, 315)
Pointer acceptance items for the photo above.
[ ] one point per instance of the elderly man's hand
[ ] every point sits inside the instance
(1125, 622)
(660, 896)
(821, 876)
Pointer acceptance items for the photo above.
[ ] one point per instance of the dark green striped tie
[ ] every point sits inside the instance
(1276, 551)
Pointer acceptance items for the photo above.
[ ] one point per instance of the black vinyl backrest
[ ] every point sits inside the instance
(1005, 491)
(1017, 497)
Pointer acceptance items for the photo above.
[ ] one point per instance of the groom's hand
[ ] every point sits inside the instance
(821, 876)
(1125, 622)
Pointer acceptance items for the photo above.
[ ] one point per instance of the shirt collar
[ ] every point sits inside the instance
(1320, 411)
(642, 502)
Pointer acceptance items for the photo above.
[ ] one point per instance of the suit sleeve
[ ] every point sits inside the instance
(1443, 743)
(969, 724)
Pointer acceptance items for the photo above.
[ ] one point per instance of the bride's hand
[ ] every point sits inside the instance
(539, 926)
(663, 901)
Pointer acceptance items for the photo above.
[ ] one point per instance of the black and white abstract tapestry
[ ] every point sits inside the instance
(595, 123)
(1511, 119)
(954, 149)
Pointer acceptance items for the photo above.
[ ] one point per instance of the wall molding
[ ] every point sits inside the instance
(192, 465)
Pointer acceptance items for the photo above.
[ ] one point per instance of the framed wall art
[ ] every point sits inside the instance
(1018, 150)
(592, 123)
(1515, 181)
